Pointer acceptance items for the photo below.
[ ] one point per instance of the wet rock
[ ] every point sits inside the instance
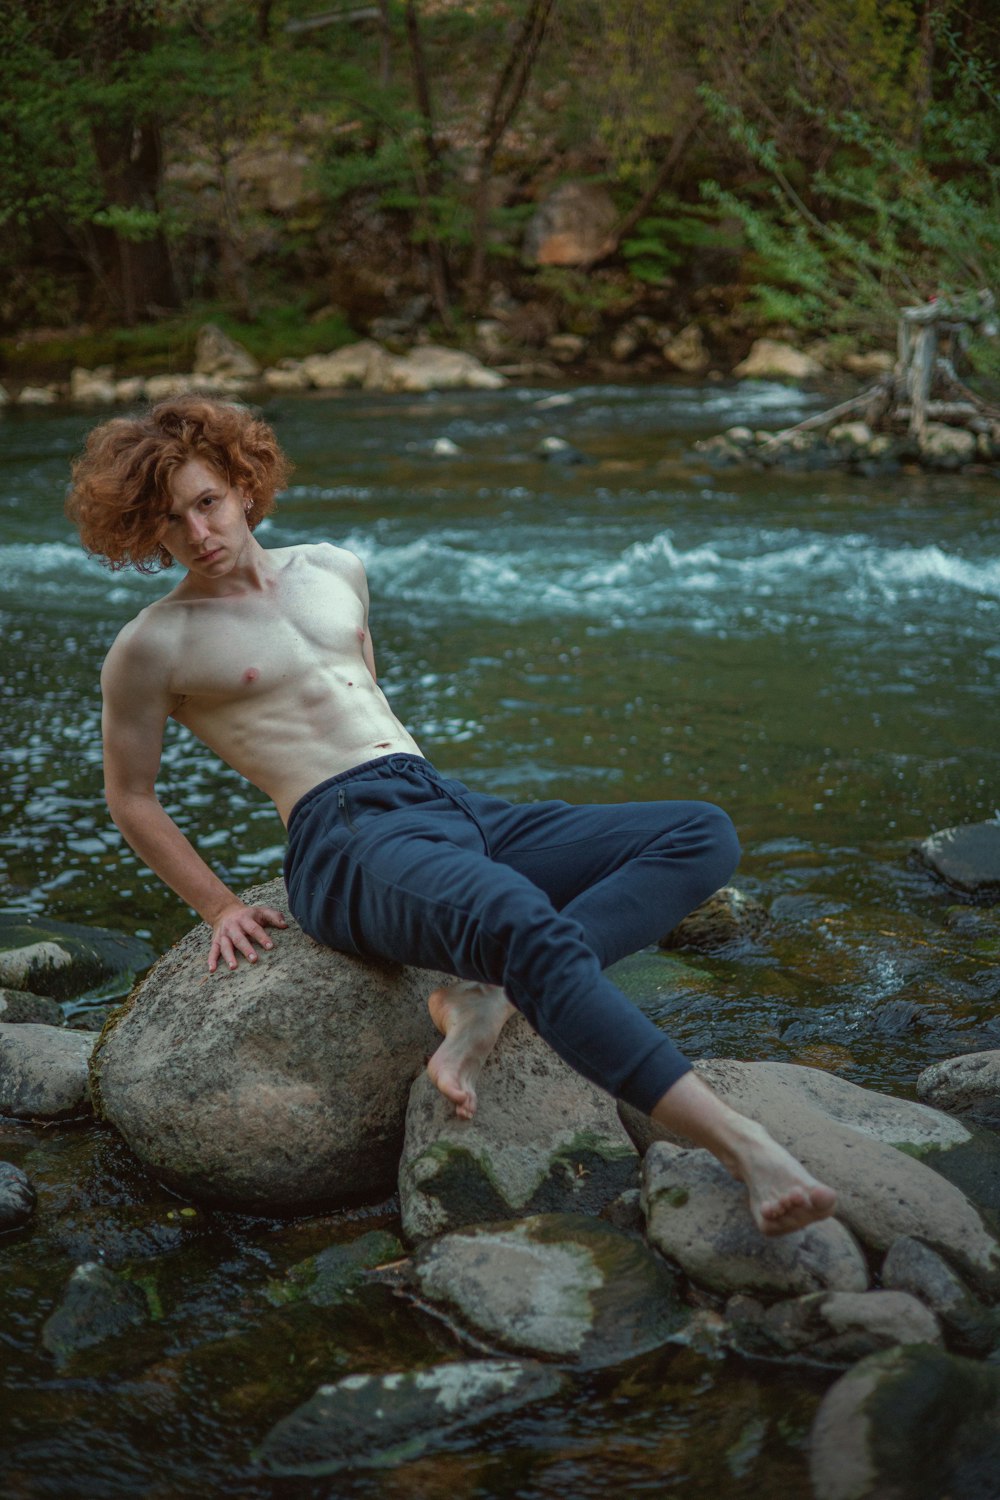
(378, 1421)
(907, 1424)
(852, 436)
(556, 450)
(698, 1215)
(329, 1277)
(727, 917)
(571, 227)
(63, 959)
(96, 1305)
(543, 1140)
(833, 1327)
(943, 447)
(217, 354)
(866, 1146)
(280, 1085)
(913, 1267)
(769, 359)
(43, 1072)
(969, 1084)
(967, 857)
(21, 1005)
(560, 1286)
(17, 1197)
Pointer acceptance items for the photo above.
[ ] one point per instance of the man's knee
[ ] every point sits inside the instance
(719, 845)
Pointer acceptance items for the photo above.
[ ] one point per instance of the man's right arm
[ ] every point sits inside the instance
(137, 703)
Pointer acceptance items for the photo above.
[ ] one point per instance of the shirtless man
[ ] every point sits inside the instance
(265, 655)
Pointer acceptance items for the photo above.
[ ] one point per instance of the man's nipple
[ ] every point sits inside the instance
(251, 674)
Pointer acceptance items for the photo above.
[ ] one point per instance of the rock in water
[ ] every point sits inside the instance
(966, 1084)
(378, 1421)
(867, 1147)
(559, 1286)
(967, 857)
(281, 1085)
(728, 917)
(698, 1216)
(543, 1140)
(43, 1071)
(97, 1304)
(909, 1424)
(63, 959)
(17, 1197)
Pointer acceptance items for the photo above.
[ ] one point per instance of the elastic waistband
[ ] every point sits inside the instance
(394, 764)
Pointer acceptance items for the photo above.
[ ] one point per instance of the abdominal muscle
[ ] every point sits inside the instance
(286, 741)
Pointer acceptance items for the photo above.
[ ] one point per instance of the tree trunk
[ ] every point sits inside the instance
(138, 273)
(509, 90)
(430, 175)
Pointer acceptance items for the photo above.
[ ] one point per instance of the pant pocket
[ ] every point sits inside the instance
(344, 809)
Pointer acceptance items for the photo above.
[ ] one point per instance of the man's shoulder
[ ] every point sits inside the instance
(336, 561)
(147, 640)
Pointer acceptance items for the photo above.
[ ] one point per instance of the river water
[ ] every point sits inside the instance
(816, 652)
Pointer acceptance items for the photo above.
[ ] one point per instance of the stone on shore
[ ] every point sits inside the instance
(543, 1140)
(21, 1005)
(728, 917)
(378, 1421)
(966, 1085)
(907, 1424)
(17, 1197)
(97, 1305)
(698, 1215)
(945, 447)
(43, 1071)
(769, 359)
(836, 1328)
(62, 959)
(93, 387)
(865, 1145)
(218, 354)
(429, 367)
(280, 1085)
(571, 226)
(558, 1286)
(967, 857)
(360, 364)
(913, 1267)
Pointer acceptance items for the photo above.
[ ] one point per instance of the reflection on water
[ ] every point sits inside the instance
(816, 652)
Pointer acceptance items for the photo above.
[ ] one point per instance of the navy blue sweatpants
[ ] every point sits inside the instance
(393, 860)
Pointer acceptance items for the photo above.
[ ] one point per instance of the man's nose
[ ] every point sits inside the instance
(197, 526)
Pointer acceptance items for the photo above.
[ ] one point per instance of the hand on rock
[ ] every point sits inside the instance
(237, 928)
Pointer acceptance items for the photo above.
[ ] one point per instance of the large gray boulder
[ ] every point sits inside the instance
(698, 1216)
(908, 1424)
(378, 1421)
(558, 1286)
(866, 1146)
(43, 1071)
(279, 1085)
(543, 1140)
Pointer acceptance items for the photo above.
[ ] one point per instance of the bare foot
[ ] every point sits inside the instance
(470, 1016)
(783, 1195)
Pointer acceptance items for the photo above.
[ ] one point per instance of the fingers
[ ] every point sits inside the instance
(238, 932)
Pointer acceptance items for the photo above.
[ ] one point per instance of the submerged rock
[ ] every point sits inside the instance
(729, 916)
(543, 1140)
(63, 959)
(280, 1085)
(96, 1305)
(43, 1071)
(698, 1216)
(17, 1197)
(967, 857)
(559, 1286)
(866, 1146)
(969, 1084)
(329, 1277)
(378, 1421)
(20, 1006)
(908, 1424)
(833, 1327)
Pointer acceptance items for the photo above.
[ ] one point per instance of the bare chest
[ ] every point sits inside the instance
(239, 648)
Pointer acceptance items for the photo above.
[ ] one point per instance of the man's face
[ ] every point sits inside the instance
(206, 527)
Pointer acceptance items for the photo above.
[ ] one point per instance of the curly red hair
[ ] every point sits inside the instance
(121, 482)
